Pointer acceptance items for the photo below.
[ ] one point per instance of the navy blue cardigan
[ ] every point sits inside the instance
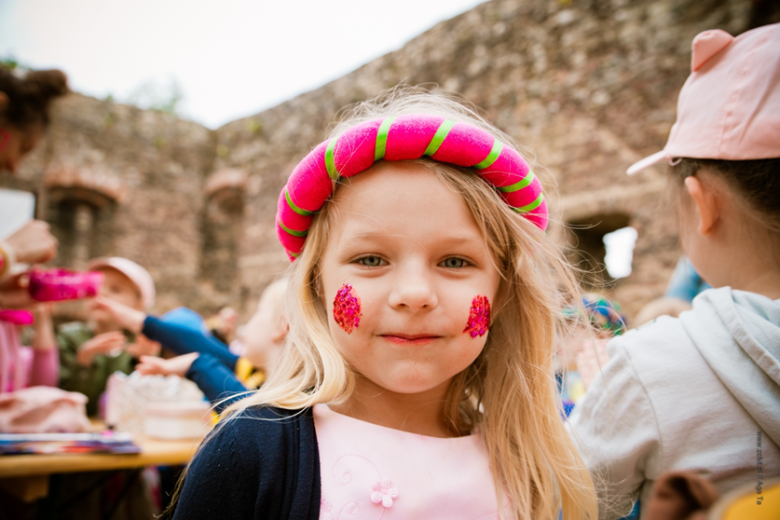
(262, 465)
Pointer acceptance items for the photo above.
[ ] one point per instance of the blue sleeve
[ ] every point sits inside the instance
(183, 340)
(685, 283)
(216, 381)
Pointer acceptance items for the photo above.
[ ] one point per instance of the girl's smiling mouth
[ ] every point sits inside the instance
(409, 339)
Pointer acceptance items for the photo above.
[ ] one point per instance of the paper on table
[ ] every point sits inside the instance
(16, 209)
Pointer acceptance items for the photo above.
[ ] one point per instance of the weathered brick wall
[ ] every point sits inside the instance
(589, 87)
(148, 170)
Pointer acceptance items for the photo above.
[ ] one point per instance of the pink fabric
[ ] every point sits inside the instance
(708, 44)
(355, 148)
(408, 138)
(16, 316)
(729, 107)
(21, 367)
(465, 145)
(42, 409)
(309, 184)
(58, 284)
(44, 367)
(372, 472)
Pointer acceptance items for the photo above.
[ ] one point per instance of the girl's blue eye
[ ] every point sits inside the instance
(454, 263)
(370, 261)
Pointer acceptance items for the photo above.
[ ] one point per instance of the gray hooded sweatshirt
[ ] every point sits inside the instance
(698, 392)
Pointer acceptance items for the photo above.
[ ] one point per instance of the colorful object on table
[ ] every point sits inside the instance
(346, 309)
(50, 443)
(60, 284)
(16, 316)
(406, 137)
(602, 313)
(479, 317)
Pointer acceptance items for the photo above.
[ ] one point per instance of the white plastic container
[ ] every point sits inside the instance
(177, 420)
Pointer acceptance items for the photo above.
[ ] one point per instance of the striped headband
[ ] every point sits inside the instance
(397, 139)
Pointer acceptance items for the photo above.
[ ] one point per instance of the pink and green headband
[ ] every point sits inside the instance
(403, 138)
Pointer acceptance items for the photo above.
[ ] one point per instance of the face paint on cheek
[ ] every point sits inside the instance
(346, 309)
(479, 317)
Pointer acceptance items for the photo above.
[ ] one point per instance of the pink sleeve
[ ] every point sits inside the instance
(45, 368)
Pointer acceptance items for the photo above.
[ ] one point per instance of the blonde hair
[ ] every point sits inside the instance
(509, 391)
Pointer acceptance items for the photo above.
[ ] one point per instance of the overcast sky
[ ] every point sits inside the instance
(231, 58)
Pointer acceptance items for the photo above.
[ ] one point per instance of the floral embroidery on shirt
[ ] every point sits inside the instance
(384, 493)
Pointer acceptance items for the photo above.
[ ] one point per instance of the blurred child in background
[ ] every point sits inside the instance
(605, 321)
(91, 351)
(219, 373)
(702, 391)
(21, 367)
(223, 325)
(665, 306)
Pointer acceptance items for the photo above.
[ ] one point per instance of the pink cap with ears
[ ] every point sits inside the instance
(729, 108)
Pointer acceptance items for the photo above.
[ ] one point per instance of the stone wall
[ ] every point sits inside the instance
(116, 180)
(588, 87)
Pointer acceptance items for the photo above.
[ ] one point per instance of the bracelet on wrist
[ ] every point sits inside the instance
(7, 258)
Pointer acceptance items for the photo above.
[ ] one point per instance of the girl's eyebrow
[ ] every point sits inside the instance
(454, 238)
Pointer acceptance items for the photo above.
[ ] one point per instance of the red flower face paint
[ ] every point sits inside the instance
(346, 309)
(479, 317)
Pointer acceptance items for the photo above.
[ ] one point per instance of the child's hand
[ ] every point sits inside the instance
(126, 317)
(34, 243)
(591, 359)
(175, 366)
(14, 292)
(43, 311)
(100, 344)
(143, 347)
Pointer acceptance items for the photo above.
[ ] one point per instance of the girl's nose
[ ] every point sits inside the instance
(414, 291)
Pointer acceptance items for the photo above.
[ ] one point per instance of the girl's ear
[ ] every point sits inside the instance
(281, 328)
(706, 204)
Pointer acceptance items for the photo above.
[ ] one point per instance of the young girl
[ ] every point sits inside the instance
(702, 392)
(417, 381)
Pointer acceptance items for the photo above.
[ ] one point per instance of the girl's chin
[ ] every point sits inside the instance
(406, 385)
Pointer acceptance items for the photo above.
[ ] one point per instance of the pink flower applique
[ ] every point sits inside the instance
(384, 493)
(325, 505)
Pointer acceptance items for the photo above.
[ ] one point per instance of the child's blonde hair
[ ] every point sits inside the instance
(509, 391)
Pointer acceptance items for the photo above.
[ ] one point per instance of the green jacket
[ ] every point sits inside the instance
(90, 381)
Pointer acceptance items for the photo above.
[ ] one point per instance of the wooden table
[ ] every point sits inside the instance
(27, 476)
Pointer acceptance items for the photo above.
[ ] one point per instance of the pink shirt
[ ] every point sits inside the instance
(373, 472)
(20, 366)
